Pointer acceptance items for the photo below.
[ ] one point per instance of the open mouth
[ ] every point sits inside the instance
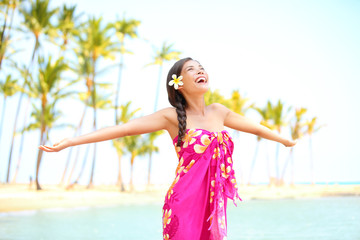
(201, 80)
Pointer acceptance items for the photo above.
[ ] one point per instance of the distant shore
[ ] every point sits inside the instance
(18, 197)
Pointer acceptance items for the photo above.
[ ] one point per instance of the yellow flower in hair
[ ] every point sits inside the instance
(176, 81)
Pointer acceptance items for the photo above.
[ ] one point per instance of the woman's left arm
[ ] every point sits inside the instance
(244, 124)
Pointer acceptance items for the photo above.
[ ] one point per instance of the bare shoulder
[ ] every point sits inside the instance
(169, 113)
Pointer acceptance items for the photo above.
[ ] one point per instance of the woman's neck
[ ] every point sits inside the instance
(196, 105)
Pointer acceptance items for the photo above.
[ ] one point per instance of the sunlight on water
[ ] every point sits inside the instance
(324, 218)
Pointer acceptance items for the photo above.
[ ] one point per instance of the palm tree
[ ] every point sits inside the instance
(94, 44)
(124, 28)
(6, 28)
(266, 116)
(119, 144)
(150, 148)
(67, 25)
(136, 147)
(297, 132)
(76, 132)
(239, 104)
(103, 102)
(8, 88)
(37, 21)
(165, 54)
(83, 68)
(278, 118)
(3, 42)
(83, 96)
(27, 77)
(48, 90)
(311, 129)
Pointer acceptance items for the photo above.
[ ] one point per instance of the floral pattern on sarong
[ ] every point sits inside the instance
(208, 153)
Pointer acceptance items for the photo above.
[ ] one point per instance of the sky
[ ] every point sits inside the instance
(305, 53)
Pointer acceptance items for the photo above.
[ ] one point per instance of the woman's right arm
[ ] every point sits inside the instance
(146, 124)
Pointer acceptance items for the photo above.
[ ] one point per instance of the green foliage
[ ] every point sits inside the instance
(9, 87)
(67, 26)
(215, 97)
(166, 53)
(125, 28)
(37, 20)
(125, 116)
(297, 130)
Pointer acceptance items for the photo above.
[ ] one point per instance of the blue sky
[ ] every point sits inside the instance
(305, 53)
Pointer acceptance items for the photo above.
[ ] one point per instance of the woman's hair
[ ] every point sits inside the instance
(176, 99)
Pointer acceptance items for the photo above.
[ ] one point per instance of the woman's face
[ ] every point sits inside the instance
(195, 78)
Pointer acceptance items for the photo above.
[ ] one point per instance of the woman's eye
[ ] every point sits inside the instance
(189, 69)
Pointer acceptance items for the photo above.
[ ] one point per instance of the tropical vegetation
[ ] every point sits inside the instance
(85, 48)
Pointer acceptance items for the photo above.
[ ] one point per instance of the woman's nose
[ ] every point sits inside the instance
(200, 71)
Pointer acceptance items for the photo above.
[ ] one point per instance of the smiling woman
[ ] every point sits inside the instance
(195, 204)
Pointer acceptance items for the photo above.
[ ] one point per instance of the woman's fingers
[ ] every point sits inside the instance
(56, 147)
(47, 148)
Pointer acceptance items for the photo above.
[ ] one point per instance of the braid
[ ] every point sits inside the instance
(181, 115)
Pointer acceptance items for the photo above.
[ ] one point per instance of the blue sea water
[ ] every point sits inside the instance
(331, 218)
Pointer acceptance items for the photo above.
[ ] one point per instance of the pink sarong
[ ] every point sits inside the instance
(195, 204)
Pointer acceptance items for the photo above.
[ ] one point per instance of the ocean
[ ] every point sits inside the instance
(328, 218)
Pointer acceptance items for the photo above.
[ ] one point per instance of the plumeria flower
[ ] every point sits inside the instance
(176, 81)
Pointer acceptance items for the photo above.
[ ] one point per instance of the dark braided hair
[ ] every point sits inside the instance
(176, 99)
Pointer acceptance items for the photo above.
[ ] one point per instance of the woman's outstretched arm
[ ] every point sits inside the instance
(150, 123)
(244, 124)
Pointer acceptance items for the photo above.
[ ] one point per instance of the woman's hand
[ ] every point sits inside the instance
(290, 143)
(57, 146)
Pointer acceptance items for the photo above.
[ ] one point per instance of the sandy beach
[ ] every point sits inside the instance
(18, 197)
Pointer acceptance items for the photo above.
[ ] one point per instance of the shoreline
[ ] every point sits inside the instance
(19, 198)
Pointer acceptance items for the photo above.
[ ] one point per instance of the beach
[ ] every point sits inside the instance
(19, 197)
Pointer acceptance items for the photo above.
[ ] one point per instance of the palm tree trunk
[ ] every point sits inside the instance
(311, 162)
(268, 165)
(42, 142)
(77, 131)
(74, 166)
(285, 166)
(149, 169)
(118, 88)
(157, 88)
(38, 162)
(119, 180)
(18, 111)
(93, 93)
(2, 36)
(14, 128)
(21, 144)
(241, 173)
(9, 27)
(91, 181)
(131, 171)
(82, 168)
(253, 161)
(277, 163)
(292, 168)
(2, 115)
(2, 119)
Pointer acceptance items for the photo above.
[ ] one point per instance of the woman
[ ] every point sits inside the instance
(195, 204)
